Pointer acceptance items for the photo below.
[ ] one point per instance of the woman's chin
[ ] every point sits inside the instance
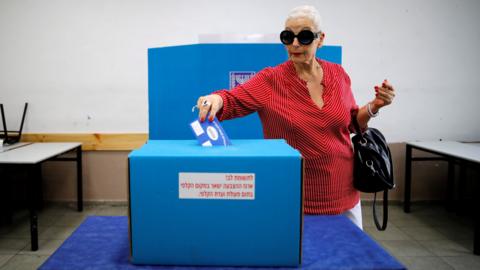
(302, 59)
(297, 59)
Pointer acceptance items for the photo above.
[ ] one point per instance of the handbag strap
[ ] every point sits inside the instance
(385, 211)
(358, 130)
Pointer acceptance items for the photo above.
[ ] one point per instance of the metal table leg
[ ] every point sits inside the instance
(476, 216)
(450, 192)
(408, 179)
(462, 189)
(32, 199)
(79, 179)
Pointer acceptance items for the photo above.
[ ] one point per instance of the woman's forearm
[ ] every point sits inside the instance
(363, 116)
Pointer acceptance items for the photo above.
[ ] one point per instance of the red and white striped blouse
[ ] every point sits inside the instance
(322, 136)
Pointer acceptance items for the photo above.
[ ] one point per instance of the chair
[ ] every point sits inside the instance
(12, 137)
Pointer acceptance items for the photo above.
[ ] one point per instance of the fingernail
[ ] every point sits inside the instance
(202, 119)
(210, 119)
(376, 87)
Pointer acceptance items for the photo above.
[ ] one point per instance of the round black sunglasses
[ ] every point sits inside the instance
(305, 37)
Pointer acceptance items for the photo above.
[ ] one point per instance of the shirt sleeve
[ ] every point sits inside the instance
(246, 98)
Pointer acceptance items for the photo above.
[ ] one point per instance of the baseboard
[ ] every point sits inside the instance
(93, 141)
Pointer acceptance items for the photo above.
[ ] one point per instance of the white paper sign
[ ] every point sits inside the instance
(226, 186)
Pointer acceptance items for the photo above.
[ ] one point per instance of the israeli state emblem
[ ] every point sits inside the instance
(240, 77)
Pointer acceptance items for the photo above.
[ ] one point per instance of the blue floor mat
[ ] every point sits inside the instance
(329, 242)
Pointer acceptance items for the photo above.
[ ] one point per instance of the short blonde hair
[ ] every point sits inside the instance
(309, 12)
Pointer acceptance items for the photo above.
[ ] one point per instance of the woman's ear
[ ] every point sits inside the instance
(320, 39)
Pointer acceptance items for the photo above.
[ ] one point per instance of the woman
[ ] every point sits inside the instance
(309, 103)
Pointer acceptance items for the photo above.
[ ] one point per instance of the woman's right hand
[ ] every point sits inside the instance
(209, 105)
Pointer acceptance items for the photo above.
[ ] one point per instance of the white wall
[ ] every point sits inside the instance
(82, 65)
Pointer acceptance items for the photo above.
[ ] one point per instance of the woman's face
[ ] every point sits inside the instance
(297, 52)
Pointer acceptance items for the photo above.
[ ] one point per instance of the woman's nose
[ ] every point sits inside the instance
(295, 42)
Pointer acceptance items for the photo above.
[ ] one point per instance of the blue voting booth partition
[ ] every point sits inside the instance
(178, 75)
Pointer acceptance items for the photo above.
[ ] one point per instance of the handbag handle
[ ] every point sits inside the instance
(358, 130)
(385, 211)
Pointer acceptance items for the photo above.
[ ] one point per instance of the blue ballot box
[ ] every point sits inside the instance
(239, 205)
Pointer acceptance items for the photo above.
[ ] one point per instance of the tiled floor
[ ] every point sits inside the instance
(428, 238)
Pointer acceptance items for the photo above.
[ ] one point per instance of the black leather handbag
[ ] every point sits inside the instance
(373, 167)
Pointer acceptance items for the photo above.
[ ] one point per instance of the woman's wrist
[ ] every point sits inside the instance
(372, 110)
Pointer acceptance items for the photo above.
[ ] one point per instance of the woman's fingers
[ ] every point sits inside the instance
(203, 105)
(217, 105)
(386, 84)
(199, 101)
(209, 106)
(213, 111)
(384, 94)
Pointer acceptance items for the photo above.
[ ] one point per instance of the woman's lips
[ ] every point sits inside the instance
(296, 54)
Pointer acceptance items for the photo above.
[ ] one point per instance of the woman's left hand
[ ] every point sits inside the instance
(383, 95)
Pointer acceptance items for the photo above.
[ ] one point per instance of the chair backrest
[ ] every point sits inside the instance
(5, 132)
(10, 136)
